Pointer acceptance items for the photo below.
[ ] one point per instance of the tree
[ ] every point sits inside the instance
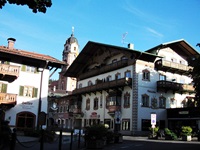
(35, 5)
(195, 74)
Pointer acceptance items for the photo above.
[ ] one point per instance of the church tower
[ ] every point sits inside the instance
(70, 52)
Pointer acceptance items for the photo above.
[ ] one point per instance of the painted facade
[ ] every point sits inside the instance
(24, 85)
(122, 87)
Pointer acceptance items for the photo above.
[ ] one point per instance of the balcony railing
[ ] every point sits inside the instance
(9, 72)
(113, 108)
(165, 65)
(104, 69)
(104, 86)
(176, 87)
(6, 98)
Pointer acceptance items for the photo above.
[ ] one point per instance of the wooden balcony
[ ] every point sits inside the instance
(175, 87)
(104, 69)
(173, 67)
(9, 72)
(113, 108)
(104, 86)
(8, 99)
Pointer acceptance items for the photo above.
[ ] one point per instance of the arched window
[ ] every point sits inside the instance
(87, 104)
(96, 103)
(128, 74)
(90, 83)
(154, 103)
(127, 100)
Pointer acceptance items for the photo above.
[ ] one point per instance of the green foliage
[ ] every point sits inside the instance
(186, 130)
(95, 132)
(35, 5)
(170, 133)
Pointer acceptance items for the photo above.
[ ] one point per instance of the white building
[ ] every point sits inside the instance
(122, 87)
(24, 78)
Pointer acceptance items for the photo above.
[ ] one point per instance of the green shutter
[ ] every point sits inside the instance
(21, 90)
(23, 68)
(35, 92)
(4, 88)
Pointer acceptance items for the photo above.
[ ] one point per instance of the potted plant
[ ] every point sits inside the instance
(186, 132)
(153, 133)
(95, 136)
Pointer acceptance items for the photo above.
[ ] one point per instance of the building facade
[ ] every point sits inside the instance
(24, 86)
(122, 87)
(58, 107)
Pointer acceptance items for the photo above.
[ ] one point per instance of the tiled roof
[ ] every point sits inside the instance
(34, 55)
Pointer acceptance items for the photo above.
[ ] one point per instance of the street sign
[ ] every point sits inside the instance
(153, 119)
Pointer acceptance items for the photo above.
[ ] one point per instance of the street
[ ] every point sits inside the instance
(129, 143)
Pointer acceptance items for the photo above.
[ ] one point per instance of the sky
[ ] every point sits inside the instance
(145, 23)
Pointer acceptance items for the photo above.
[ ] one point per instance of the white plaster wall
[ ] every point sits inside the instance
(29, 79)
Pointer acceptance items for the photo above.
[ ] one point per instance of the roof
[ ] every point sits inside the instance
(92, 48)
(180, 46)
(29, 58)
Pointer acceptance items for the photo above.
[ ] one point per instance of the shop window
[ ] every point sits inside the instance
(145, 100)
(146, 123)
(126, 124)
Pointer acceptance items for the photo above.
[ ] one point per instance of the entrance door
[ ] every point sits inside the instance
(25, 120)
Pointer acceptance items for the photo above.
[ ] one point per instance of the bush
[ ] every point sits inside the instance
(186, 130)
(170, 134)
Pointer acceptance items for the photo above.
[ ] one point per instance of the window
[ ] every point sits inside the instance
(80, 85)
(146, 123)
(109, 123)
(28, 91)
(113, 100)
(128, 74)
(146, 75)
(29, 69)
(96, 101)
(125, 124)
(3, 88)
(89, 83)
(109, 78)
(162, 77)
(174, 60)
(145, 100)
(182, 62)
(127, 100)
(154, 103)
(162, 102)
(87, 104)
(118, 76)
(114, 60)
(124, 58)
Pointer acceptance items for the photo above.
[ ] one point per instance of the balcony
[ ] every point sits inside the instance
(104, 86)
(104, 69)
(8, 99)
(9, 72)
(175, 87)
(173, 67)
(113, 108)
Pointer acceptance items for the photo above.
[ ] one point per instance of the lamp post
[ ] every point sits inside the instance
(40, 100)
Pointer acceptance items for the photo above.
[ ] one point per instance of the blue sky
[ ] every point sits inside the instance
(147, 23)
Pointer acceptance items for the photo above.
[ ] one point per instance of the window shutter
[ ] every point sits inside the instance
(4, 88)
(23, 68)
(35, 92)
(21, 90)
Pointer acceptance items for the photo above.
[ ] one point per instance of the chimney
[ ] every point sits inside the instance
(11, 42)
(131, 46)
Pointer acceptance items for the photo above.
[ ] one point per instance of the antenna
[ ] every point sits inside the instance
(123, 37)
